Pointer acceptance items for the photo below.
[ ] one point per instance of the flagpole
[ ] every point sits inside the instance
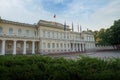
(66, 35)
(54, 18)
(74, 41)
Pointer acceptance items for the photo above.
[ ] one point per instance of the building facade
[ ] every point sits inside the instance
(44, 37)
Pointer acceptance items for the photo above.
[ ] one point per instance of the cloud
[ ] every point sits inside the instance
(22, 10)
(105, 16)
(89, 14)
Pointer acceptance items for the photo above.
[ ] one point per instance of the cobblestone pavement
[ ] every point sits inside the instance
(102, 55)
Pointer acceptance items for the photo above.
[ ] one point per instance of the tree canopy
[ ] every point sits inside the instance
(110, 36)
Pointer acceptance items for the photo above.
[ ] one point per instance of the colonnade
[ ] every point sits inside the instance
(14, 47)
(78, 47)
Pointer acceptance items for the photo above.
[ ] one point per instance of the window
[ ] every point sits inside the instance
(68, 45)
(52, 34)
(27, 45)
(48, 34)
(53, 45)
(48, 45)
(57, 45)
(19, 32)
(43, 33)
(67, 36)
(18, 45)
(64, 36)
(10, 31)
(9, 45)
(27, 32)
(64, 45)
(57, 35)
(35, 33)
(44, 45)
(1, 30)
(61, 45)
(61, 35)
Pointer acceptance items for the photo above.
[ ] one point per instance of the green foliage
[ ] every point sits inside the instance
(46, 68)
(110, 36)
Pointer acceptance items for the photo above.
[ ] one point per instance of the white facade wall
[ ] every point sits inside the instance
(50, 39)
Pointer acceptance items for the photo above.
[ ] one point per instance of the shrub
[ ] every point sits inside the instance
(45, 68)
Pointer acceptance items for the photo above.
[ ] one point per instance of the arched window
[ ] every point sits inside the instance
(19, 32)
(1, 30)
(10, 31)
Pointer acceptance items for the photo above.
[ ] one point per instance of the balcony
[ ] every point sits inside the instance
(3, 35)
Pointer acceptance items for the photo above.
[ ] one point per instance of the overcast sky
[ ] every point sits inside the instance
(91, 14)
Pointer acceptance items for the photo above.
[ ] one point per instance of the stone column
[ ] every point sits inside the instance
(14, 48)
(24, 48)
(69, 47)
(80, 47)
(3, 47)
(33, 47)
(73, 47)
(83, 47)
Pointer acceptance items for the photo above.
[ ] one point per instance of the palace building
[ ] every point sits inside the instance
(44, 37)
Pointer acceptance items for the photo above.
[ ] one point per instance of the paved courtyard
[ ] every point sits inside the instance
(107, 54)
(102, 55)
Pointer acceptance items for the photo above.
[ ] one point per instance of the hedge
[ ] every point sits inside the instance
(46, 68)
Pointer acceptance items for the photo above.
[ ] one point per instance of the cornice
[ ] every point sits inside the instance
(16, 23)
(52, 24)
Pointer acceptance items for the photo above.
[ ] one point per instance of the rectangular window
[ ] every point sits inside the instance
(53, 45)
(48, 34)
(52, 34)
(68, 45)
(64, 45)
(64, 36)
(44, 45)
(19, 45)
(27, 32)
(10, 31)
(61, 45)
(27, 45)
(43, 33)
(48, 45)
(57, 45)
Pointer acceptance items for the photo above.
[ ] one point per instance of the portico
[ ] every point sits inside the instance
(18, 47)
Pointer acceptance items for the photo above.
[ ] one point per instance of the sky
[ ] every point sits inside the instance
(91, 14)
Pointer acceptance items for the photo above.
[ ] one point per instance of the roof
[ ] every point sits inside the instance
(52, 24)
(88, 32)
(16, 23)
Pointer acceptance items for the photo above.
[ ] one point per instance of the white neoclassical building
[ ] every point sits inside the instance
(44, 37)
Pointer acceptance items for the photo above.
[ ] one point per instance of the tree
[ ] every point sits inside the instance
(101, 37)
(115, 34)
